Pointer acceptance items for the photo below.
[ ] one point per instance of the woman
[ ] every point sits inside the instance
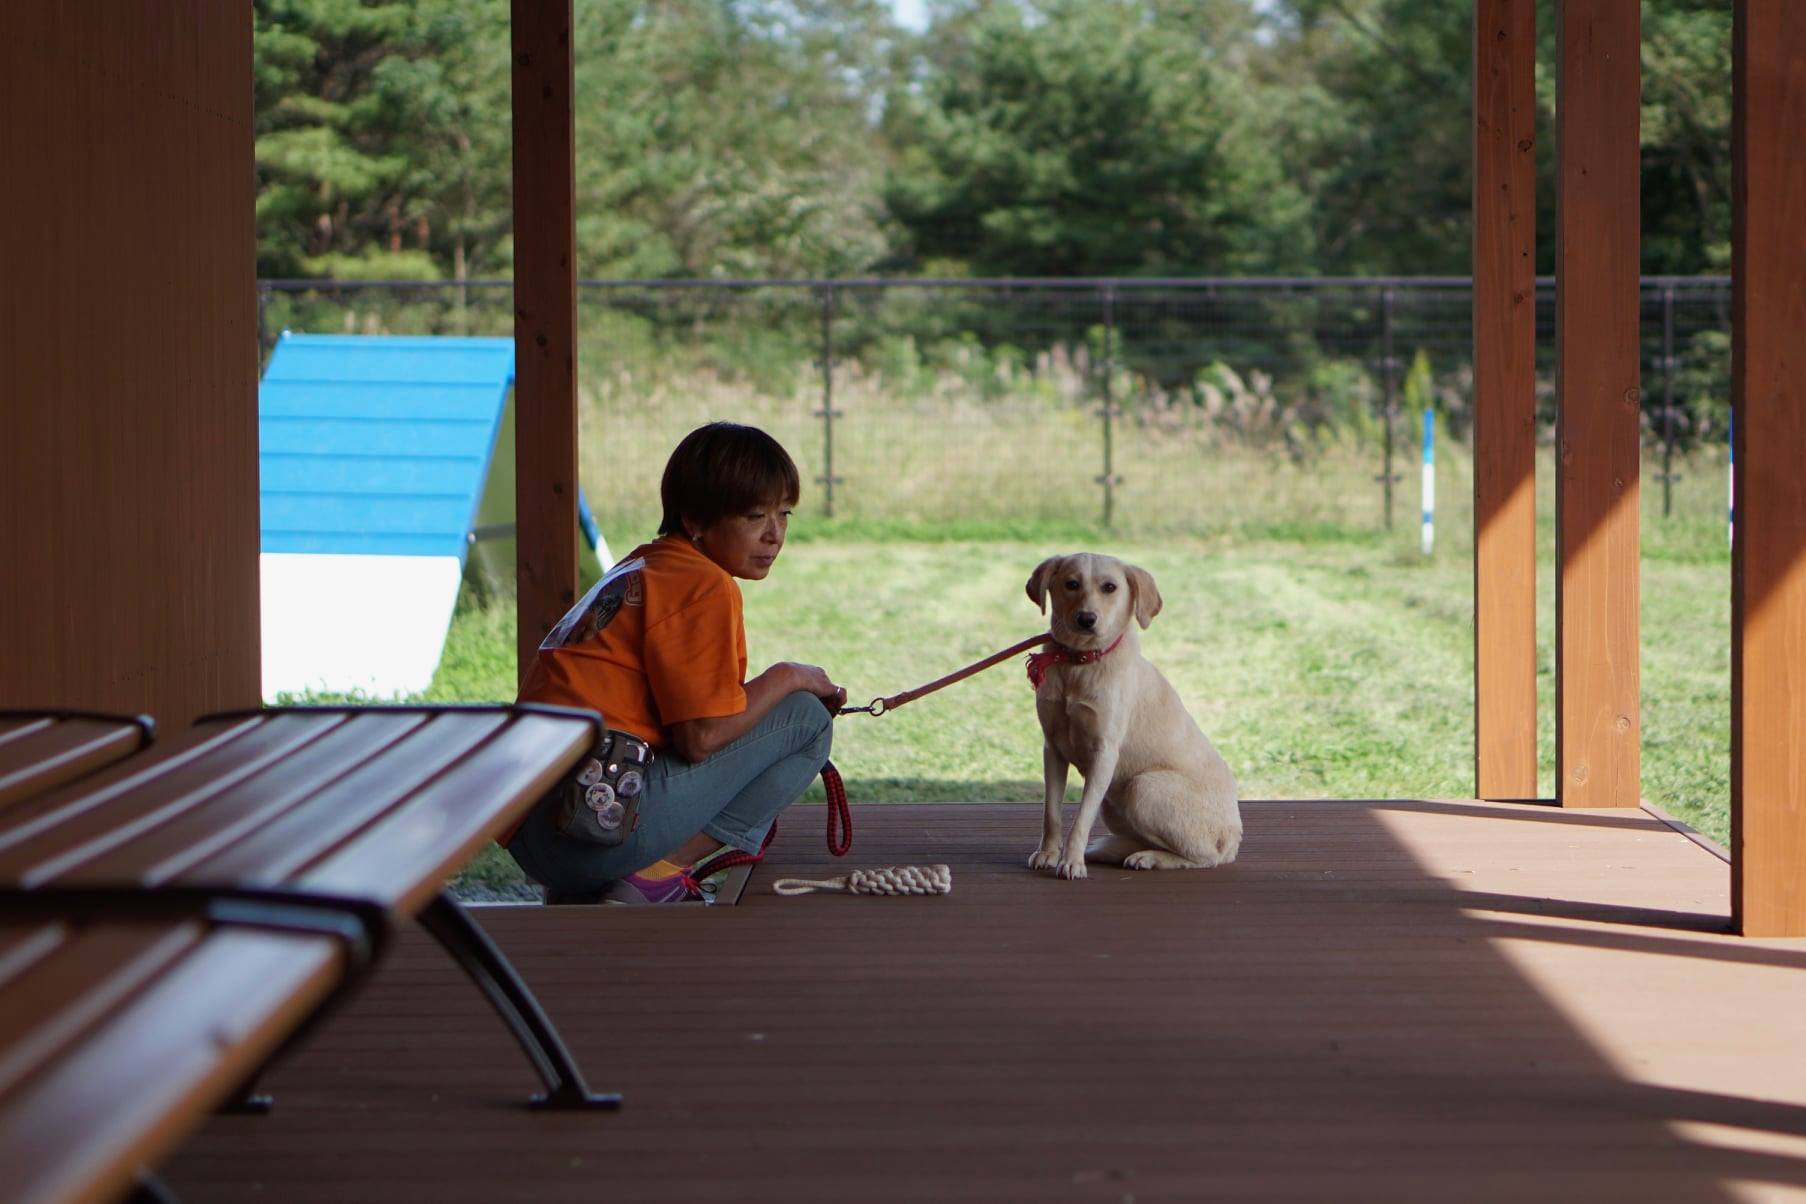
(659, 648)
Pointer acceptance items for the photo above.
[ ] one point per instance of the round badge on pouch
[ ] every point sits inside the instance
(592, 773)
(630, 784)
(609, 811)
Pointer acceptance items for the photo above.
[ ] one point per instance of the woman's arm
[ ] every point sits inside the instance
(699, 739)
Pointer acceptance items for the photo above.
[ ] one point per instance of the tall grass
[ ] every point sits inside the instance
(1024, 454)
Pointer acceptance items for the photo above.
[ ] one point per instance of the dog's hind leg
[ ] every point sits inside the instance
(1176, 830)
(1119, 843)
(1113, 850)
(1160, 859)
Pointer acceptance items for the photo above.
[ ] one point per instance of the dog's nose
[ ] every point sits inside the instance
(1084, 620)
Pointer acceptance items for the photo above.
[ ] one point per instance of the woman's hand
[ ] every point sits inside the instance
(814, 680)
(696, 740)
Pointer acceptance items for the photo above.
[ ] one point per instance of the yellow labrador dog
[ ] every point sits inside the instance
(1165, 793)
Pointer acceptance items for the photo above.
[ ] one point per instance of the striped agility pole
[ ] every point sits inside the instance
(1429, 480)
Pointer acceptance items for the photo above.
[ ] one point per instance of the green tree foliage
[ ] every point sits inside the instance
(1020, 137)
(1383, 103)
(1385, 152)
(730, 139)
(1687, 136)
(382, 137)
(1082, 138)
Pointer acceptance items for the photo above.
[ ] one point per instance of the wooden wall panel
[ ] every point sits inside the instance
(545, 319)
(1505, 399)
(128, 382)
(1596, 289)
(1768, 654)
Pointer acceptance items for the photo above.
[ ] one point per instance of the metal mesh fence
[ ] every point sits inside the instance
(1141, 404)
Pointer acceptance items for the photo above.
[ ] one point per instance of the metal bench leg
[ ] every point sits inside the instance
(453, 928)
(150, 1190)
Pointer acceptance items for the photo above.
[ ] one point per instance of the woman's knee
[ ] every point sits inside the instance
(806, 711)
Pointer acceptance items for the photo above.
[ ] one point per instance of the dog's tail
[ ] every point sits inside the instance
(1228, 843)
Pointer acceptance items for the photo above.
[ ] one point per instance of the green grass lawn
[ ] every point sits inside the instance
(1325, 660)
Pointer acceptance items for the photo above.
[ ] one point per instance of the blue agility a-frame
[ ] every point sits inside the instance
(373, 453)
(378, 445)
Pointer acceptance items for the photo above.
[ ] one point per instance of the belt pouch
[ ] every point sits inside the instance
(599, 804)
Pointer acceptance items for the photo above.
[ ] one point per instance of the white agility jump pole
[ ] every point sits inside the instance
(1429, 480)
(1730, 462)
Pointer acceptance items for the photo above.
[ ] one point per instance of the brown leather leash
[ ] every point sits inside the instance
(883, 706)
(840, 817)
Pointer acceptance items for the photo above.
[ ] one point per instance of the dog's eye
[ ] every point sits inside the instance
(1109, 587)
(1072, 583)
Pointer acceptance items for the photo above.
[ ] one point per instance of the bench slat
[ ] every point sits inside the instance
(41, 753)
(51, 835)
(165, 852)
(147, 1074)
(83, 976)
(23, 944)
(274, 853)
(408, 855)
(11, 727)
(45, 811)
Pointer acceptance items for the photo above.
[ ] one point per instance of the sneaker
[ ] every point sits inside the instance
(708, 878)
(635, 890)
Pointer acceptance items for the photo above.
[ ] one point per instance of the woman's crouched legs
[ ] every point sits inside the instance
(733, 796)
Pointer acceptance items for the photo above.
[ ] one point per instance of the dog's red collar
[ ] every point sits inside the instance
(1060, 654)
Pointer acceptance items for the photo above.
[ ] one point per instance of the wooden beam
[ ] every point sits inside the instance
(1597, 246)
(1505, 399)
(1768, 365)
(545, 319)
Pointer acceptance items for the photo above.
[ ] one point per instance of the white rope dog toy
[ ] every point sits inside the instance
(891, 880)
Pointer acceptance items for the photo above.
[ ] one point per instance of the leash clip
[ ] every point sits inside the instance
(874, 709)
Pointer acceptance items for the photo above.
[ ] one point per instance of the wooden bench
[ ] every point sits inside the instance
(171, 923)
(41, 750)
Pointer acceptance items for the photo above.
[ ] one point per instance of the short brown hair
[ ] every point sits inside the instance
(724, 468)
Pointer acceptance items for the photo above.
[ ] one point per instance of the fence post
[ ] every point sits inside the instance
(1109, 479)
(1668, 477)
(1387, 364)
(827, 413)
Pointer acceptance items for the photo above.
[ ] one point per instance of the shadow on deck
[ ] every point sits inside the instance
(1379, 1000)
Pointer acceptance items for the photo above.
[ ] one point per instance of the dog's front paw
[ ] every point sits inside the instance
(1071, 867)
(1043, 858)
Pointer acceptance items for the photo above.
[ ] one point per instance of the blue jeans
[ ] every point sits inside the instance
(733, 796)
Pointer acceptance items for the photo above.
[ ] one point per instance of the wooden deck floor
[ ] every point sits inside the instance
(1379, 1001)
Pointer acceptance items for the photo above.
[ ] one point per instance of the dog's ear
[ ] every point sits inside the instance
(1037, 581)
(1147, 594)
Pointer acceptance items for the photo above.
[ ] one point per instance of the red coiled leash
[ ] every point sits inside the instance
(840, 827)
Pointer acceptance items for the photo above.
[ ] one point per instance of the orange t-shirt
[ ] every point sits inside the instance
(659, 640)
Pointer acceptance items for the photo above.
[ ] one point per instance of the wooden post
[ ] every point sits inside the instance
(1597, 301)
(129, 547)
(1505, 399)
(545, 319)
(1768, 593)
